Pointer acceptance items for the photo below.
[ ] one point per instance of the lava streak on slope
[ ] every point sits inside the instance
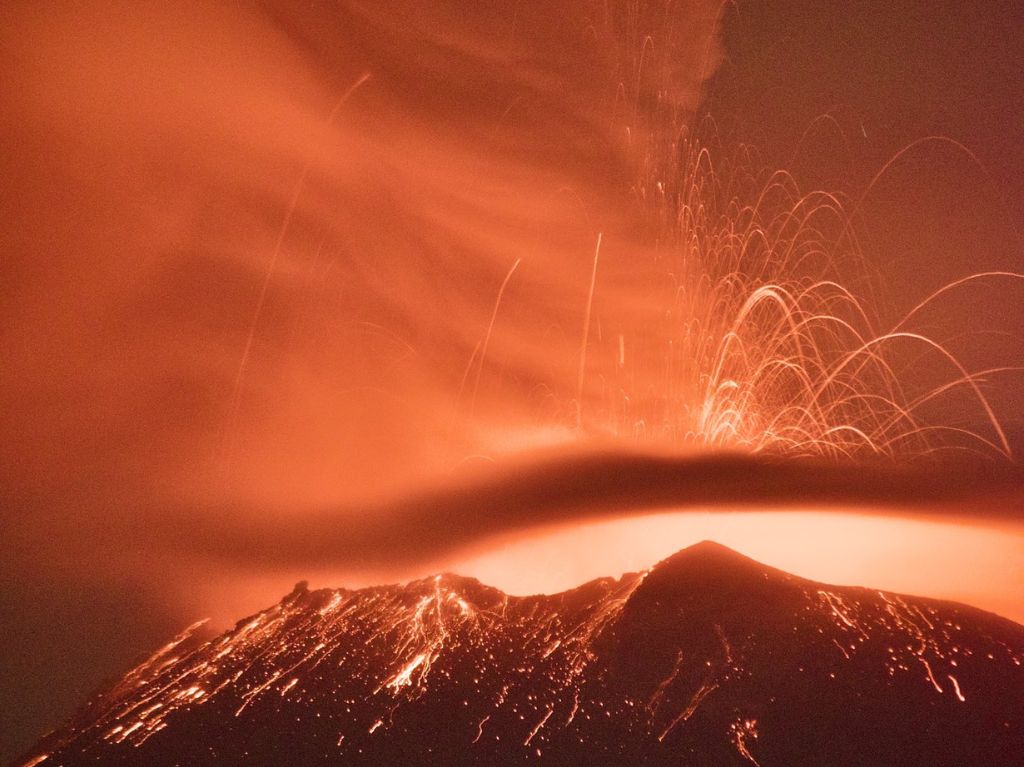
(709, 658)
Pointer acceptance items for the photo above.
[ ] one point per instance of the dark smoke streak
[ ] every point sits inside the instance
(429, 525)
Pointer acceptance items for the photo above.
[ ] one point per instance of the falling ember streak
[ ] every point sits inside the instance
(835, 602)
(575, 708)
(236, 394)
(956, 688)
(586, 335)
(490, 329)
(404, 677)
(687, 712)
(537, 729)
(659, 692)
(931, 676)
(480, 728)
(742, 731)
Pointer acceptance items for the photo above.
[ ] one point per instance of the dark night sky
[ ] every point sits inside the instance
(151, 157)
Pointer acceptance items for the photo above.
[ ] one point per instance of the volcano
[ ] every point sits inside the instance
(709, 658)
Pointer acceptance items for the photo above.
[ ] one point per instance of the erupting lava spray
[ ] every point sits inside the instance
(726, 321)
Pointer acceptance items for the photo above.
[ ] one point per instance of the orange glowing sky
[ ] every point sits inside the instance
(982, 566)
(960, 560)
(281, 281)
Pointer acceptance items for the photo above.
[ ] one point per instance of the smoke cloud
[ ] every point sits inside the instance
(252, 250)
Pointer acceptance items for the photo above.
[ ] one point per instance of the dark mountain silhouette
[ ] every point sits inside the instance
(708, 659)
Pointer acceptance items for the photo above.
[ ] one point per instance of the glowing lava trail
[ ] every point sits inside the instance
(708, 656)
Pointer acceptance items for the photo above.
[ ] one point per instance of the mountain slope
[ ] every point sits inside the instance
(708, 659)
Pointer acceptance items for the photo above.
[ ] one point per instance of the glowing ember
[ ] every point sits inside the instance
(708, 649)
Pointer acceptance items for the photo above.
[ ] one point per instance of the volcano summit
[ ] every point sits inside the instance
(709, 658)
